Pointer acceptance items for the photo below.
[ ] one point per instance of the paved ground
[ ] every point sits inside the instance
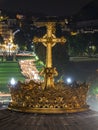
(27, 121)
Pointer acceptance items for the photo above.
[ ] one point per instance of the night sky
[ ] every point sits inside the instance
(47, 7)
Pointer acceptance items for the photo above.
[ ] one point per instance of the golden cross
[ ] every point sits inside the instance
(49, 40)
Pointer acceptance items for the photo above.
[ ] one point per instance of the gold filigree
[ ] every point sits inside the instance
(51, 100)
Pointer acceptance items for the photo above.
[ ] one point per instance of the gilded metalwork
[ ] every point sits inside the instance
(48, 96)
(49, 40)
(60, 99)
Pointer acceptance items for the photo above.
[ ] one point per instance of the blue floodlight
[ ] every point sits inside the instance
(69, 80)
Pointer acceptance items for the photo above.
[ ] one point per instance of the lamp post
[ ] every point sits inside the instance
(9, 45)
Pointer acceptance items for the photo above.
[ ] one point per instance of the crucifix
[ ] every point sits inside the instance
(49, 40)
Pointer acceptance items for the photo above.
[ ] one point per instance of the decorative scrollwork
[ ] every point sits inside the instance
(30, 96)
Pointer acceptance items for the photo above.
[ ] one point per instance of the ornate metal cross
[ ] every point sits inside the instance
(49, 40)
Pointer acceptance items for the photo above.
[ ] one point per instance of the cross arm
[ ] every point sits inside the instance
(36, 39)
(60, 40)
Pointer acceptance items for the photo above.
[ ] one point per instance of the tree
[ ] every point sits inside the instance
(82, 44)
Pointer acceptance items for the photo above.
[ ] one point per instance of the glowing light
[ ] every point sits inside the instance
(12, 82)
(69, 80)
(73, 33)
